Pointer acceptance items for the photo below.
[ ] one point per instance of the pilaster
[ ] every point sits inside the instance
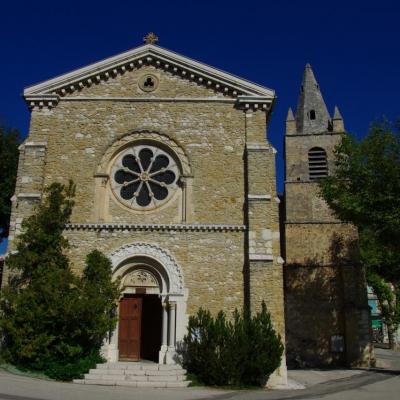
(263, 272)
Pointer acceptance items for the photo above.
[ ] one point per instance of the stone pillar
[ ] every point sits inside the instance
(100, 209)
(184, 199)
(28, 190)
(170, 355)
(164, 334)
(263, 269)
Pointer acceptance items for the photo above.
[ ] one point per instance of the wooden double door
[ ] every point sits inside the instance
(139, 333)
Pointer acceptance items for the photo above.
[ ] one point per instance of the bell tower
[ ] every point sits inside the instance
(327, 317)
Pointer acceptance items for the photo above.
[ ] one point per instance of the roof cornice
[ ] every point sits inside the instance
(228, 84)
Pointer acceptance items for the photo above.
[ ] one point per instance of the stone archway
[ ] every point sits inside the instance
(145, 271)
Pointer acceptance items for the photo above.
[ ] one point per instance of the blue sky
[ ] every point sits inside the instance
(353, 47)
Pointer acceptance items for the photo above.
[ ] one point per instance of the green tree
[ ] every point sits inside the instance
(9, 142)
(389, 300)
(52, 320)
(99, 299)
(364, 189)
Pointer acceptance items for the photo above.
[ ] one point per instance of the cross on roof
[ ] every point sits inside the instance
(150, 38)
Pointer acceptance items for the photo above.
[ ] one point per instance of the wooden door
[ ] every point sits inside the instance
(130, 317)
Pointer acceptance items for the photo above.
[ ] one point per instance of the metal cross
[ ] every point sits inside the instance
(150, 38)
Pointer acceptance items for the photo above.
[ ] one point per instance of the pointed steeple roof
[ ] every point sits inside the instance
(311, 115)
(290, 123)
(290, 116)
(337, 121)
(336, 113)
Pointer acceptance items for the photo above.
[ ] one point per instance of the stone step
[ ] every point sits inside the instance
(138, 366)
(136, 374)
(149, 384)
(103, 371)
(138, 378)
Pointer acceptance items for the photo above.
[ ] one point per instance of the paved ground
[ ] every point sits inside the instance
(329, 385)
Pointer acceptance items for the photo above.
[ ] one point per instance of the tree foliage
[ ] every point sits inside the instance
(364, 189)
(51, 319)
(9, 142)
(389, 300)
(243, 351)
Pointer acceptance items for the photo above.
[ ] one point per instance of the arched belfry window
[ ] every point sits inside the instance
(312, 114)
(317, 163)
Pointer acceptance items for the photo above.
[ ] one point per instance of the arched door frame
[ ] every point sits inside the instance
(163, 266)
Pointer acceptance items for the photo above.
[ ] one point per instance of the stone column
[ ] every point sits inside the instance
(170, 356)
(263, 271)
(164, 333)
(184, 199)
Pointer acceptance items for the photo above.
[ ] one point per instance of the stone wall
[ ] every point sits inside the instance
(211, 134)
(213, 278)
(314, 309)
(325, 290)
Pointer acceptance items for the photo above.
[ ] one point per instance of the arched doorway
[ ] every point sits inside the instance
(140, 314)
(152, 309)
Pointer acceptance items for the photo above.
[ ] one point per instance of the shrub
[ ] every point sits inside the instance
(51, 320)
(243, 351)
(75, 369)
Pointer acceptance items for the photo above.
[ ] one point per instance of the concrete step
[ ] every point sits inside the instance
(150, 384)
(136, 374)
(138, 366)
(138, 378)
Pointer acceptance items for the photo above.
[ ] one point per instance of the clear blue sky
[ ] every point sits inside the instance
(353, 47)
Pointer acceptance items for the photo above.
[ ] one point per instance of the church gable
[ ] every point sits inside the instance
(146, 82)
(118, 75)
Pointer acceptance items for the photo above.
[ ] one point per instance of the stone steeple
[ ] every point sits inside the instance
(290, 123)
(311, 115)
(337, 121)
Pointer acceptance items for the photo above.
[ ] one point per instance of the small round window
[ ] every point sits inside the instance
(148, 82)
(144, 177)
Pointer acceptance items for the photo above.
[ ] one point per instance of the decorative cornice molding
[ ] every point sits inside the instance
(314, 182)
(247, 93)
(314, 222)
(259, 197)
(157, 227)
(29, 195)
(255, 103)
(325, 133)
(261, 257)
(152, 99)
(42, 101)
(32, 144)
(259, 147)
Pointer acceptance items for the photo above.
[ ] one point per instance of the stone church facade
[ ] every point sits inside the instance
(175, 184)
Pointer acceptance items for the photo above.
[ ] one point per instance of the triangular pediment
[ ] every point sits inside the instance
(48, 93)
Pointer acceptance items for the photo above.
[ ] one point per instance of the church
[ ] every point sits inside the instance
(175, 183)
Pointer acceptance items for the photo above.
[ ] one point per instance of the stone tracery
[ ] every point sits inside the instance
(144, 176)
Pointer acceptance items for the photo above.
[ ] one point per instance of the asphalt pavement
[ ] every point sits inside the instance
(379, 383)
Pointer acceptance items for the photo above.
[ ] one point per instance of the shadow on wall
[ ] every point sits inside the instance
(315, 304)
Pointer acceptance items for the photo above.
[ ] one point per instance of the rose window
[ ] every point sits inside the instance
(144, 177)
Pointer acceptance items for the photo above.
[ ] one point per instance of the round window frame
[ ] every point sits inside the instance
(143, 79)
(134, 149)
